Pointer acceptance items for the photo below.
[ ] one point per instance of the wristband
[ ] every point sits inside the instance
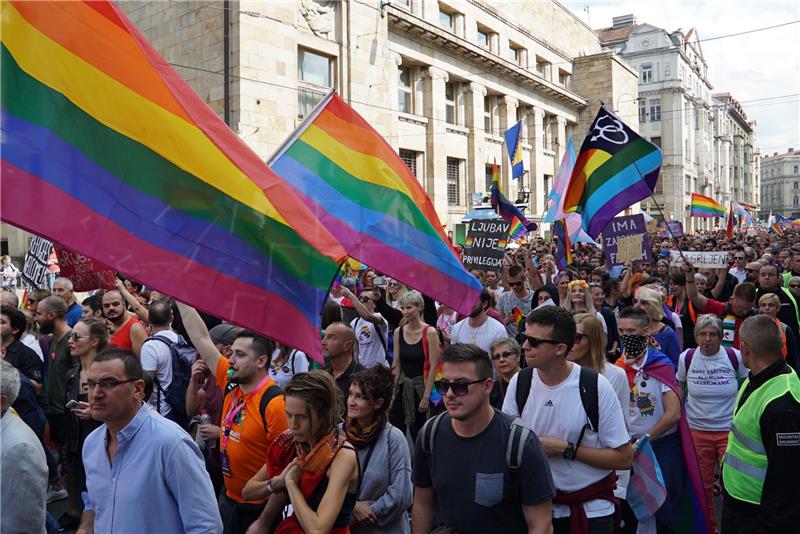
(269, 486)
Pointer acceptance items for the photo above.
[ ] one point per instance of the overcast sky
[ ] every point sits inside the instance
(752, 67)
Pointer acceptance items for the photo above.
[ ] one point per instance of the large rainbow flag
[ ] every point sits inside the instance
(615, 168)
(358, 187)
(703, 206)
(108, 152)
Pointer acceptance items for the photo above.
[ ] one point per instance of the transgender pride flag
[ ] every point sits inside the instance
(646, 490)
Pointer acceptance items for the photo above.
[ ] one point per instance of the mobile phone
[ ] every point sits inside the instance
(379, 281)
(72, 404)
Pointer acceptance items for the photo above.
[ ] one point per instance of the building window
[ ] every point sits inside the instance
(542, 67)
(409, 157)
(483, 37)
(647, 72)
(655, 110)
(488, 175)
(453, 182)
(666, 71)
(450, 102)
(514, 53)
(563, 78)
(697, 119)
(795, 169)
(404, 90)
(656, 141)
(642, 110)
(488, 114)
(315, 74)
(796, 185)
(796, 202)
(547, 179)
(446, 19)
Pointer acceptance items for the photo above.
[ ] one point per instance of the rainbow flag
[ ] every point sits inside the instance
(514, 147)
(703, 206)
(615, 168)
(108, 152)
(563, 245)
(501, 244)
(775, 228)
(468, 242)
(519, 319)
(503, 207)
(517, 229)
(359, 188)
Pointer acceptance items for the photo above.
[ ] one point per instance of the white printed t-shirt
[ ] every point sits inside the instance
(371, 348)
(558, 412)
(712, 386)
(646, 403)
(482, 336)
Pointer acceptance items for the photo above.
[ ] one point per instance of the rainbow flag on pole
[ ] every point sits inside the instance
(703, 206)
(358, 187)
(108, 152)
(517, 229)
(508, 211)
(775, 228)
(615, 169)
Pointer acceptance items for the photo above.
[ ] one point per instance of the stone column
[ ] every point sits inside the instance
(476, 159)
(508, 116)
(436, 151)
(536, 174)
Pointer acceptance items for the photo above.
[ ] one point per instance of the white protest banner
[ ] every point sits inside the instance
(35, 268)
(706, 260)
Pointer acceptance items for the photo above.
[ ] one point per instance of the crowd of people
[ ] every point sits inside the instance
(530, 414)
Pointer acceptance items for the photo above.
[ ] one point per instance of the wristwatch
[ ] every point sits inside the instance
(569, 451)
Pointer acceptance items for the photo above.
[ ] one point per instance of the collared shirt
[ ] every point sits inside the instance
(156, 483)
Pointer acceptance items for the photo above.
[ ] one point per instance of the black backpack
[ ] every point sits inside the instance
(273, 391)
(183, 356)
(588, 389)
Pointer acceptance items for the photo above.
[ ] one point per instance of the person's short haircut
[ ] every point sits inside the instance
(793, 280)
(514, 270)
(770, 297)
(762, 335)
(637, 314)
(159, 313)
(16, 319)
(349, 333)
(510, 342)
(700, 276)
(9, 382)
(609, 286)
(467, 353)
(94, 302)
(66, 281)
(56, 305)
(560, 319)
(708, 320)
(40, 294)
(745, 291)
(376, 383)
(412, 298)
(133, 367)
(768, 266)
(260, 344)
(677, 279)
(10, 296)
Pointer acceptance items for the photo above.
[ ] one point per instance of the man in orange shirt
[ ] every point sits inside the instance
(253, 413)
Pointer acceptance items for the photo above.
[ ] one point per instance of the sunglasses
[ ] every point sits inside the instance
(516, 284)
(535, 341)
(77, 337)
(459, 389)
(794, 286)
(505, 355)
(365, 299)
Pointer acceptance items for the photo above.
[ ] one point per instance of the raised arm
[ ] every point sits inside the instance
(362, 310)
(198, 333)
(722, 274)
(694, 295)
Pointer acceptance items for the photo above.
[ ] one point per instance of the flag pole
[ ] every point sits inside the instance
(666, 223)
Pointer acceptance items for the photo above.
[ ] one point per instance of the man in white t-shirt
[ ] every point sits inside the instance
(371, 329)
(517, 296)
(156, 356)
(583, 454)
(479, 329)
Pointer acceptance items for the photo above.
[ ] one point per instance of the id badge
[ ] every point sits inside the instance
(225, 465)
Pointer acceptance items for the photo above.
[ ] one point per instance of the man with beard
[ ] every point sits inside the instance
(12, 328)
(129, 333)
(253, 413)
(794, 268)
(479, 329)
(516, 295)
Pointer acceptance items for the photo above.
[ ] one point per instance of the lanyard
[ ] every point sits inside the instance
(238, 404)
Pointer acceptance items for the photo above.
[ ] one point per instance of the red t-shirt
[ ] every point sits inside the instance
(717, 308)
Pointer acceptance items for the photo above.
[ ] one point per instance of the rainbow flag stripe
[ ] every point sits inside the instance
(501, 244)
(703, 206)
(359, 188)
(108, 152)
(517, 229)
(775, 228)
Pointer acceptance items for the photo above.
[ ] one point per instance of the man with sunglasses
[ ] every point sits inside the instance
(479, 329)
(143, 472)
(462, 474)
(370, 327)
(518, 297)
(739, 270)
(582, 453)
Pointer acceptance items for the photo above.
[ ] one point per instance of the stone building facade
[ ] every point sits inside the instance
(780, 184)
(707, 141)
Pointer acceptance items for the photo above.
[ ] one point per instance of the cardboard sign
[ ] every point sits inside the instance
(85, 273)
(35, 268)
(706, 260)
(619, 227)
(629, 248)
(485, 245)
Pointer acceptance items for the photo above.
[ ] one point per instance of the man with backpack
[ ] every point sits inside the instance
(370, 327)
(577, 416)
(253, 413)
(477, 468)
(167, 359)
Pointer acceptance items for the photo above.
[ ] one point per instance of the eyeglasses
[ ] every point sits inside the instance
(794, 286)
(77, 337)
(505, 355)
(516, 284)
(739, 257)
(535, 341)
(108, 383)
(459, 388)
(393, 284)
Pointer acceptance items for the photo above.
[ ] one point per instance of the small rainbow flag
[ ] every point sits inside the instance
(703, 206)
(469, 241)
(774, 227)
(519, 319)
(796, 223)
(517, 229)
(501, 244)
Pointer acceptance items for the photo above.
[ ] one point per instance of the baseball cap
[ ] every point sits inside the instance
(224, 333)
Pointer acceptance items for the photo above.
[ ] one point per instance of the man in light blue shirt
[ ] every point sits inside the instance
(143, 472)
